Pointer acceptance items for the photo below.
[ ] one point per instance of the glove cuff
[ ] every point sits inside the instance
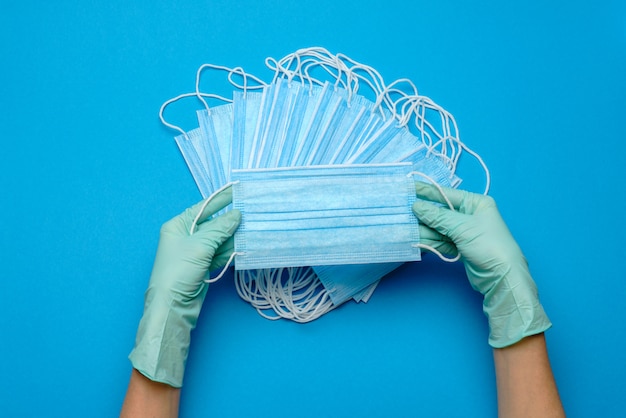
(513, 309)
(163, 337)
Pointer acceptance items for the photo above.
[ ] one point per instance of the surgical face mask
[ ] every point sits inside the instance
(246, 109)
(340, 131)
(336, 130)
(324, 215)
(344, 282)
(282, 110)
(192, 147)
(349, 126)
(365, 294)
(300, 120)
(206, 149)
(216, 126)
(295, 125)
(347, 131)
(318, 131)
(286, 119)
(348, 281)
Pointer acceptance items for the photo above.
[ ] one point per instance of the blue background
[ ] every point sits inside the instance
(88, 175)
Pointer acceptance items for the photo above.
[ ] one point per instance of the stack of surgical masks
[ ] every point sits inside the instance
(322, 160)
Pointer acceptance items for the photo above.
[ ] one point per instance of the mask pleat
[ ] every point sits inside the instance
(194, 152)
(324, 214)
(216, 129)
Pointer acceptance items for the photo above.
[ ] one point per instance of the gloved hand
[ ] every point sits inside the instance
(493, 261)
(177, 288)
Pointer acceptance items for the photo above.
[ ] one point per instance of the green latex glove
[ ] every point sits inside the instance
(177, 288)
(493, 261)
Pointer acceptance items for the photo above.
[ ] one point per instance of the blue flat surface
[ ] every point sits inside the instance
(88, 174)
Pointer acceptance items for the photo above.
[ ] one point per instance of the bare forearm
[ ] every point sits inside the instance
(146, 398)
(526, 385)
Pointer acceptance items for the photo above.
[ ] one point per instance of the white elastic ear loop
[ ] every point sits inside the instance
(328, 62)
(306, 65)
(224, 270)
(198, 77)
(289, 66)
(321, 57)
(417, 105)
(375, 80)
(231, 72)
(443, 194)
(192, 229)
(293, 293)
(281, 66)
(482, 163)
(385, 96)
(455, 158)
(177, 98)
(300, 62)
(194, 224)
(245, 76)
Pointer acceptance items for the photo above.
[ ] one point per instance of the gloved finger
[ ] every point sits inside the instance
(439, 218)
(430, 192)
(430, 235)
(222, 254)
(445, 248)
(217, 203)
(215, 232)
(439, 242)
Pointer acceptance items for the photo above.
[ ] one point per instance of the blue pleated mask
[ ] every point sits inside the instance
(206, 149)
(282, 109)
(192, 148)
(325, 215)
(347, 281)
(302, 120)
(216, 126)
(246, 109)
